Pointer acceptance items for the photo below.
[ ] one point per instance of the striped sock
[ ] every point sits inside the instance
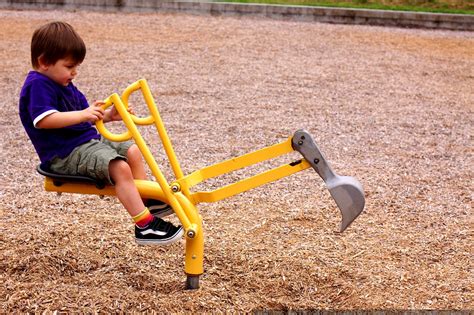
(143, 218)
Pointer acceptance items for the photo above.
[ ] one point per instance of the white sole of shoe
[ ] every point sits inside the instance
(166, 241)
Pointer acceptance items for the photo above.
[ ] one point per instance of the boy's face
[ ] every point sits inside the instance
(62, 72)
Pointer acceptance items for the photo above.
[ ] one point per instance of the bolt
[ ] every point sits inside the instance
(175, 188)
(191, 234)
(302, 138)
(316, 161)
(300, 142)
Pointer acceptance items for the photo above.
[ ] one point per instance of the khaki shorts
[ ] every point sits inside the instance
(92, 159)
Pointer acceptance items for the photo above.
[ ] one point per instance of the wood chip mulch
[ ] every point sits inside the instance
(392, 107)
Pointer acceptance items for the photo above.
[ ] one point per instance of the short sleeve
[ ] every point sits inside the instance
(42, 101)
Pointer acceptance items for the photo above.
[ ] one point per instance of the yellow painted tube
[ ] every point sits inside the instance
(161, 129)
(194, 255)
(125, 96)
(236, 163)
(250, 182)
(127, 135)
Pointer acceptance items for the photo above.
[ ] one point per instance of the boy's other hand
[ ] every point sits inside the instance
(113, 115)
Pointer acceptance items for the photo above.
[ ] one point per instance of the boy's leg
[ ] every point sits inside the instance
(101, 161)
(148, 229)
(134, 159)
(125, 187)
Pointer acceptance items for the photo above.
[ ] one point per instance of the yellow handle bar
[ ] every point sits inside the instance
(127, 135)
(140, 84)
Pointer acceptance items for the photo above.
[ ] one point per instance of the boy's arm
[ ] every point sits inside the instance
(66, 119)
(91, 114)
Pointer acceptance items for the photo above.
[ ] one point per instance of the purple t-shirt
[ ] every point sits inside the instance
(40, 97)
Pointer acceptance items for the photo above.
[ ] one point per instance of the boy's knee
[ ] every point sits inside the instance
(119, 169)
(133, 152)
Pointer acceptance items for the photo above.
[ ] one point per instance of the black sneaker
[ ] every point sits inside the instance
(158, 208)
(158, 232)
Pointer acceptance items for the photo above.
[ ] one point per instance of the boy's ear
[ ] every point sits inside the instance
(43, 65)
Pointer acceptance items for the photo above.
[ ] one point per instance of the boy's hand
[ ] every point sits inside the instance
(94, 112)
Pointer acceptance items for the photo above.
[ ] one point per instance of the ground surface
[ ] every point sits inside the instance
(392, 107)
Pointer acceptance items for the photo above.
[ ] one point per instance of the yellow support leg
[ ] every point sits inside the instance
(194, 258)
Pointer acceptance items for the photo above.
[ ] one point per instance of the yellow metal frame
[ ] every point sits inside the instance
(178, 193)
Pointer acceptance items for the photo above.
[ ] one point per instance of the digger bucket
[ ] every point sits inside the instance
(346, 191)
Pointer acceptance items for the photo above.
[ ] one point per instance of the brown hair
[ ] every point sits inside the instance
(54, 41)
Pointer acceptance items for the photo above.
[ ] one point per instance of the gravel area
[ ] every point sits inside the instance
(392, 107)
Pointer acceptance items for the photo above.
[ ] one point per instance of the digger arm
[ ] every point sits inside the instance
(239, 163)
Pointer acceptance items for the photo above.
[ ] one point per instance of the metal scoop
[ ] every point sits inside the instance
(345, 190)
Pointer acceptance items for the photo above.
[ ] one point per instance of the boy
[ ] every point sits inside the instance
(59, 122)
